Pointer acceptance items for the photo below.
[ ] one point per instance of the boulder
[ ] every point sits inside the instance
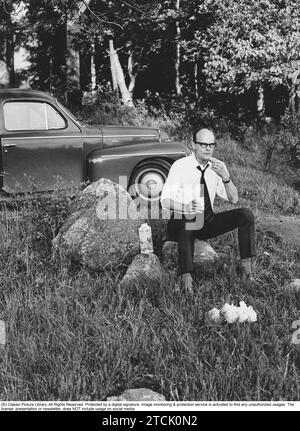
(203, 253)
(141, 394)
(144, 268)
(102, 230)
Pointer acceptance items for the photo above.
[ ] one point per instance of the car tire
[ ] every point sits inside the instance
(148, 179)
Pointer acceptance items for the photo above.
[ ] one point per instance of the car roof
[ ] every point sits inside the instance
(23, 93)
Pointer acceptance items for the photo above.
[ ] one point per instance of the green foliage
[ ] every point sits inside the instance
(47, 217)
(251, 43)
(288, 136)
(257, 188)
(107, 108)
(284, 140)
(225, 49)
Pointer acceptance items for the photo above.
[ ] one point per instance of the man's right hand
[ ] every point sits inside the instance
(193, 206)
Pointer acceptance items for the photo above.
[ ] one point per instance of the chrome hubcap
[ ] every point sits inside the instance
(152, 184)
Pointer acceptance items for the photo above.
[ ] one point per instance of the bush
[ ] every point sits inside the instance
(107, 108)
(257, 188)
(191, 115)
(177, 115)
(39, 220)
(288, 136)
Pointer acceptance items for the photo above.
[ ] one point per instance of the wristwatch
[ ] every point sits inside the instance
(227, 181)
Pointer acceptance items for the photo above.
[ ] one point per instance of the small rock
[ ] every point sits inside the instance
(143, 268)
(215, 317)
(2, 332)
(203, 253)
(142, 394)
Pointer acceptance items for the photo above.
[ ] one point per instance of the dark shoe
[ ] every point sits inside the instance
(245, 269)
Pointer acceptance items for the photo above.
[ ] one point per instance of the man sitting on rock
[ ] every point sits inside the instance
(189, 192)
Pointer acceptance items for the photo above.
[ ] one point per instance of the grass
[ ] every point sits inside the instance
(75, 335)
(265, 191)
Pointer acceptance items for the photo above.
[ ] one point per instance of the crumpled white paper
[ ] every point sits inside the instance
(231, 313)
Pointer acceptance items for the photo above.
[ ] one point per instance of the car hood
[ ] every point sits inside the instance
(115, 136)
(141, 137)
(108, 131)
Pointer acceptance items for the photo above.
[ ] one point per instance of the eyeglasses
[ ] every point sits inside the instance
(204, 145)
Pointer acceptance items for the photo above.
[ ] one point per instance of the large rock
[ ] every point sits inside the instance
(141, 394)
(144, 268)
(102, 230)
(203, 253)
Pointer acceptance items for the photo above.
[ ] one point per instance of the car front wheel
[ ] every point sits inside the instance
(148, 179)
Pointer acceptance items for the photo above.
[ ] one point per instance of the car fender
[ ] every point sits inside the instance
(115, 163)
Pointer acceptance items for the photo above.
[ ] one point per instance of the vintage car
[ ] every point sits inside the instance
(45, 148)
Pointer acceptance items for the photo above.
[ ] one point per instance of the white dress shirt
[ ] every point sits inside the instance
(183, 183)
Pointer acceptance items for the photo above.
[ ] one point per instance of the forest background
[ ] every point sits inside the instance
(230, 65)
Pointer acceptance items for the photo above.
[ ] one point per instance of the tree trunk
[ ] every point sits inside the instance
(131, 74)
(196, 80)
(294, 91)
(125, 94)
(44, 63)
(269, 155)
(177, 62)
(260, 103)
(93, 70)
(112, 65)
(4, 75)
(85, 70)
(9, 56)
(9, 47)
(73, 55)
(73, 60)
(59, 70)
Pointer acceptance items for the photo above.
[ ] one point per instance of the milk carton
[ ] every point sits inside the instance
(145, 237)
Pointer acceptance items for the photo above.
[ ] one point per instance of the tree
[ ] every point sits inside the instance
(129, 29)
(9, 38)
(250, 45)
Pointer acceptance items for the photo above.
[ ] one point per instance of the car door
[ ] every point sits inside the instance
(41, 148)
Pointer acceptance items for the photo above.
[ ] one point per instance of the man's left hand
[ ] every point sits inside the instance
(220, 168)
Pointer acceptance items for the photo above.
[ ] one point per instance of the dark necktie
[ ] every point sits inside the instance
(208, 211)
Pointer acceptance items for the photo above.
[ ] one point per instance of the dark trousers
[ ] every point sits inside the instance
(240, 218)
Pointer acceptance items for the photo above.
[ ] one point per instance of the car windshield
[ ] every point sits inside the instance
(66, 110)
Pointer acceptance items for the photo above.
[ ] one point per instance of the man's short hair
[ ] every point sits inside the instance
(196, 131)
